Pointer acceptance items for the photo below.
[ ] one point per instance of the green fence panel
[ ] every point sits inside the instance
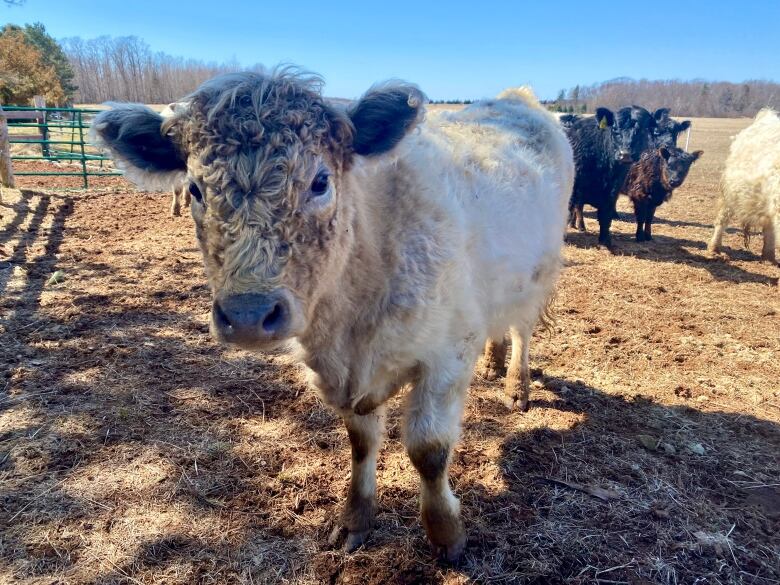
(74, 150)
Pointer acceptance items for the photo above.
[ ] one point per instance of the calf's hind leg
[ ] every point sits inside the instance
(579, 217)
(518, 374)
(365, 437)
(493, 359)
(433, 413)
(768, 248)
(178, 192)
(721, 223)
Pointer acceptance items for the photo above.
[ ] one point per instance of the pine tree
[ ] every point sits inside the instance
(23, 72)
(53, 55)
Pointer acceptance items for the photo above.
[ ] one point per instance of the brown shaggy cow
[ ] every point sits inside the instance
(652, 179)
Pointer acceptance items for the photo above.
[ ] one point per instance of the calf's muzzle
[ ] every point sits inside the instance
(252, 319)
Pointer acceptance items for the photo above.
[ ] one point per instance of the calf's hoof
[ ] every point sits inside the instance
(514, 397)
(449, 550)
(445, 533)
(175, 212)
(581, 228)
(489, 372)
(350, 541)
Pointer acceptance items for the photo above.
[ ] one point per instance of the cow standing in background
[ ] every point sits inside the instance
(750, 186)
(652, 179)
(666, 129)
(604, 148)
(181, 188)
(388, 248)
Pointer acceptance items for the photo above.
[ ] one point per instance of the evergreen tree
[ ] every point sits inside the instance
(23, 72)
(53, 55)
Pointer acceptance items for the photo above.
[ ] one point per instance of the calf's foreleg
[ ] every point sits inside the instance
(433, 413)
(365, 437)
(649, 216)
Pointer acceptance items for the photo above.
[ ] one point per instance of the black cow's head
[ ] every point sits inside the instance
(666, 129)
(631, 131)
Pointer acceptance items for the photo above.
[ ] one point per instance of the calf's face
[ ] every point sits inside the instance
(267, 160)
(677, 164)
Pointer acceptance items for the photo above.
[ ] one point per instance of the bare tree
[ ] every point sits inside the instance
(685, 98)
(126, 69)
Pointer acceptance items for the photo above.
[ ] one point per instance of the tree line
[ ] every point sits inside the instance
(696, 98)
(127, 69)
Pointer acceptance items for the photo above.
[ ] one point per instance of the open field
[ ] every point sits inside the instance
(135, 450)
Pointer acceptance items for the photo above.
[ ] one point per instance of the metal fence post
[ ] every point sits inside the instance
(40, 102)
(83, 154)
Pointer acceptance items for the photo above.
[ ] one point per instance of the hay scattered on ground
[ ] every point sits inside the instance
(134, 450)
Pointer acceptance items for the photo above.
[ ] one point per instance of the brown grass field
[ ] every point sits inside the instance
(133, 449)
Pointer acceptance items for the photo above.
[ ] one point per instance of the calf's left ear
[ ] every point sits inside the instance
(684, 125)
(661, 114)
(383, 116)
(134, 135)
(696, 154)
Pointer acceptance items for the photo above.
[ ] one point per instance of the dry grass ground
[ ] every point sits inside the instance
(135, 450)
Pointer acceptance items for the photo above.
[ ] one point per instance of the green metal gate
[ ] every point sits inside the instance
(61, 134)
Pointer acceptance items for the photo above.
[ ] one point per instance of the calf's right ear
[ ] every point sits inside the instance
(134, 135)
(604, 117)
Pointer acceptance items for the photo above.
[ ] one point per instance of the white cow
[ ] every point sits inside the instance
(750, 186)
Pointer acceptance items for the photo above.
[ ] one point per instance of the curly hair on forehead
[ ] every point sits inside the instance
(240, 111)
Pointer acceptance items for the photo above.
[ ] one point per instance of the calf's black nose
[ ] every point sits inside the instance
(251, 318)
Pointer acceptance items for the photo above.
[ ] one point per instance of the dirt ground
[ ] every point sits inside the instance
(133, 449)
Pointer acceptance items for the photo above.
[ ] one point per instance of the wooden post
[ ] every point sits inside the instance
(40, 102)
(6, 170)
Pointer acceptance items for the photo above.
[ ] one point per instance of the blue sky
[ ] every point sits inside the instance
(452, 50)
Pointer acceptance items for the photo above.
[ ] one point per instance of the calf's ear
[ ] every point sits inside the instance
(384, 115)
(134, 135)
(696, 154)
(604, 117)
(661, 114)
(684, 125)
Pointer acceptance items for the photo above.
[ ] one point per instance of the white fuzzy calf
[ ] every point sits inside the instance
(750, 186)
(388, 247)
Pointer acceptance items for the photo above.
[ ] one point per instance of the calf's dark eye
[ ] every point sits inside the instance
(320, 184)
(195, 192)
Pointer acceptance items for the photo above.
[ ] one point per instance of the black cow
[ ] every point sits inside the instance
(666, 129)
(604, 148)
